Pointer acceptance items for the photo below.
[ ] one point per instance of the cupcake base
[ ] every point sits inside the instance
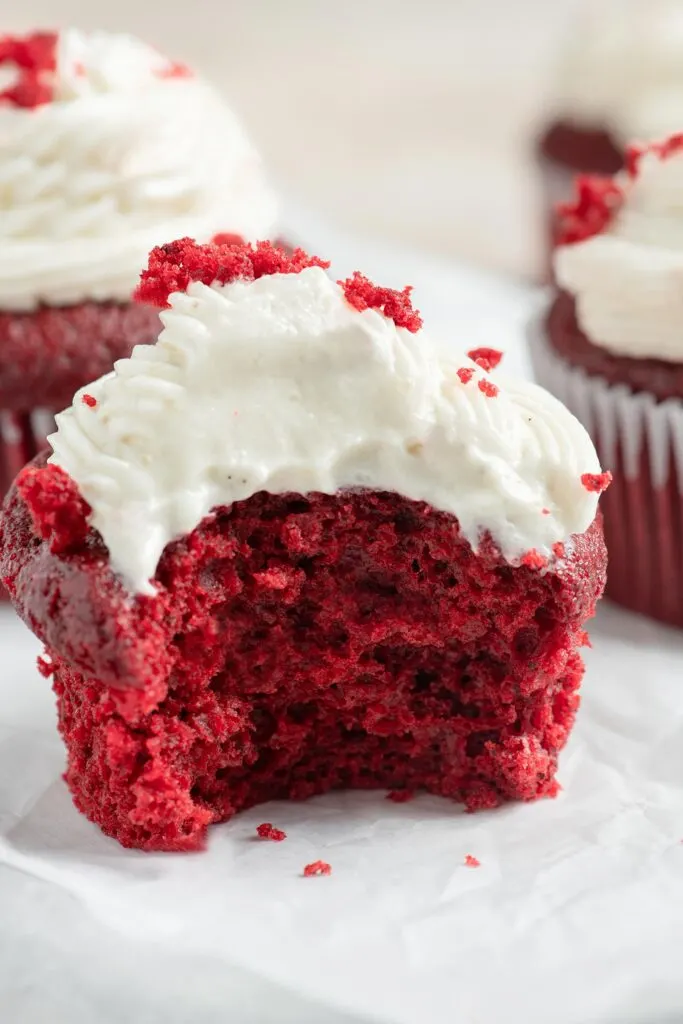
(640, 440)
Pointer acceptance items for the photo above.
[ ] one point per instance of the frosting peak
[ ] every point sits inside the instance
(107, 148)
(281, 384)
(623, 254)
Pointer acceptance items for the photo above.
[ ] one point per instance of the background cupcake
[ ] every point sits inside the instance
(621, 79)
(106, 149)
(612, 350)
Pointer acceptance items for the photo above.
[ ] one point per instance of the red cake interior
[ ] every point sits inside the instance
(297, 645)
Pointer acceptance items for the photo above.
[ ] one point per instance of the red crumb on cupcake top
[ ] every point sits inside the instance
(172, 267)
(596, 202)
(596, 483)
(465, 374)
(174, 69)
(487, 387)
(534, 560)
(268, 831)
(363, 294)
(636, 151)
(318, 867)
(89, 400)
(34, 57)
(472, 862)
(487, 358)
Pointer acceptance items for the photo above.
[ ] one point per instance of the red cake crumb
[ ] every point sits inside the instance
(226, 238)
(559, 550)
(596, 482)
(318, 867)
(174, 70)
(45, 665)
(89, 401)
(386, 656)
(636, 151)
(363, 294)
(487, 387)
(400, 796)
(545, 511)
(35, 59)
(472, 862)
(597, 201)
(268, 831)
(173, 266)
(465, 373)
(534, 560)
(487, 358)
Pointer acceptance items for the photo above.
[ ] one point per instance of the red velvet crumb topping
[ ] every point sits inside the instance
(596, 203)
(363, 294)
(89, 400)
(636, 151)
(35, 59)
(596, 482)
(173, 266)
(487, 358)
(534, 560)
(465, 373)
(174, 70)
(487, 387)
(472, 862)
(268, 831)
(318, 867)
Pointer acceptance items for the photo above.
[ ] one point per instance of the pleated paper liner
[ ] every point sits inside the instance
(22, 436)
(640, 440)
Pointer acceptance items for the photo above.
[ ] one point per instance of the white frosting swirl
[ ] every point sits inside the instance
(628, 280)
(624, 70)
(122, 159)
(279, 385)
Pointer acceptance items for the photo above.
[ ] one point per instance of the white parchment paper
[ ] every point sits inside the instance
(574, 915)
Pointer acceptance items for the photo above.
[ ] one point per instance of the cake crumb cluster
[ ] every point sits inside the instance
(487, 358)
(596, 483)
(172, 267)
(268, 831)
(636, 151)
(318, 867)
(472, 862)
(35, 59)
(596, 202)
(362, 294)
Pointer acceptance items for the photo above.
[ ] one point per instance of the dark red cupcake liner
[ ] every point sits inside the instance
(640, 440)
(22, 436)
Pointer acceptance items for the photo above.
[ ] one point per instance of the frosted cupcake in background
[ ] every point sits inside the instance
(621, 78)
(611, 349)
(107, 148)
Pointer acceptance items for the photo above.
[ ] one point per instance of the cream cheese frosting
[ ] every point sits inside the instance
(280, 385)
(628, 279)
(128, 154)
(624, 70)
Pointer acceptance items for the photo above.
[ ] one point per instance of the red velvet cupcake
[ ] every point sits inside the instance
(621, 79)
(292, 548)
(107, 148)
(611, 348)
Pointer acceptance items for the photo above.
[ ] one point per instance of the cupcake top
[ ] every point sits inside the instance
(621, 254)
(624, 70)
(107, 148)
(270, 376)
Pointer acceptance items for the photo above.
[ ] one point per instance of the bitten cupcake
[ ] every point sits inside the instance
(107, 148)
(292, 548)
(611, 348)
(620, 79)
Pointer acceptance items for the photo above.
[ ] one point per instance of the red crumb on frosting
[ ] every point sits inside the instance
(465, 373)
(363, 294)
(35, 59)
(559, 549)
(534, 560)
(545, 511)
(268, 831)
(172, 267)
(89, 401)
(487, 387)
(636, 151)
(226, 238)
(400, 796)
(487, 358)
(174, 70)
(596, 482)
(596, 203)
(472, 862)
(318, 867)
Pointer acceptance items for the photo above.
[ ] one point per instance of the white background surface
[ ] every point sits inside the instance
(575, 915)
